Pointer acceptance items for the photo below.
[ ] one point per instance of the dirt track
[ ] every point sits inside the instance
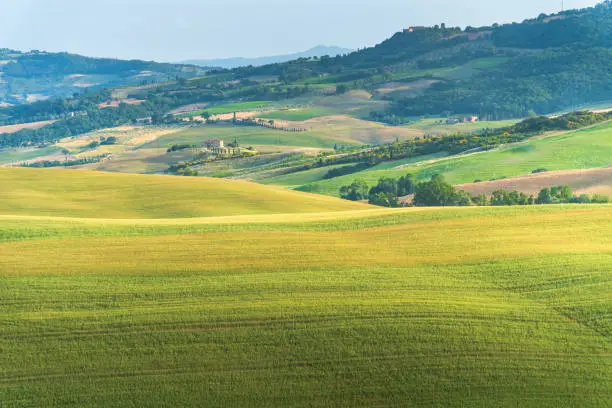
(581, 181)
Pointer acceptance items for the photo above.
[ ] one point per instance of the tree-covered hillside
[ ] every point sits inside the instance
(37, 75)
(541, 65)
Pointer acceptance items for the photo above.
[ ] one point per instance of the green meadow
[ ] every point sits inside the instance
(300, 114)
(9, 156)
(355, 307)
(234, 107)
(579, 149)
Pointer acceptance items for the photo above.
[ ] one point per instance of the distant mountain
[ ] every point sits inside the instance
(230, 63)
(36, 75)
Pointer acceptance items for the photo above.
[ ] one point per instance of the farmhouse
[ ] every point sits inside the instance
(214, 144)
(144, 121)
(217, 147)
(470, 119)
(413, 29)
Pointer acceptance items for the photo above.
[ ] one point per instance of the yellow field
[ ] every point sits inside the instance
(21, 126)
(263, 301)
(74, 193)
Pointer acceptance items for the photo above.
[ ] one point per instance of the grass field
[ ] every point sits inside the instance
(465, 307)
(59, 192)
(298, 114)
(9, 156)
(234, 107)
(581, 149)
(434, 127)
(300, 178)
(252, 136)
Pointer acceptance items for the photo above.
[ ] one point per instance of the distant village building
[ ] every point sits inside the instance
(214, 144)
(217, 147)
(144, 121)
(413, 29)
(466, 119)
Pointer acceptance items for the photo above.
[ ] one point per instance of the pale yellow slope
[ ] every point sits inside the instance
(59, 192)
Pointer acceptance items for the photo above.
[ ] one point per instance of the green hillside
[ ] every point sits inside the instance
(374, 308)
(580, 149)
(110, 195)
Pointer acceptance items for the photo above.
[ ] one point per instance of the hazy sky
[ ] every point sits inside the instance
(173, 30)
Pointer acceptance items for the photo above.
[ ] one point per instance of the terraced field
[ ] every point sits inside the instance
(359, 307)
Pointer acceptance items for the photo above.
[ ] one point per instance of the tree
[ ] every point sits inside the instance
(384, 193)
(504, 197)
(544, 197)
(405, 185)
(341, 89)
(561, 194)
(600, 199)
(438, 192)
(383, 199)
(357, 191)
(480, 200)
(385, 185)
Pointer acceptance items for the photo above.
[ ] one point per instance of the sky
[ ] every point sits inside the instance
(176, 30)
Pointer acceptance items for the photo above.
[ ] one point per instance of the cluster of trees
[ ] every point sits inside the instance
(66, 163)
(344, 170)
(107, 141)
(569, 28)
(438, 193)
(386, 193)
(178, 147)
(549, 195)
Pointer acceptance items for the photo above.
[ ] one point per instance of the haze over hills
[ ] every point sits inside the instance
(36, 75)
(229, 63)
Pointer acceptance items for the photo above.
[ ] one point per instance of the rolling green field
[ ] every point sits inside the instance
(433, 127)
(70, 193)
(234, 107)
(298, 114)
(363, 307)
(299, 178)
(580, 149)
(9, 156)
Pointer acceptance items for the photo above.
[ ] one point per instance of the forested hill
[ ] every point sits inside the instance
(542, 65)
(586, 28)
(35, 75)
